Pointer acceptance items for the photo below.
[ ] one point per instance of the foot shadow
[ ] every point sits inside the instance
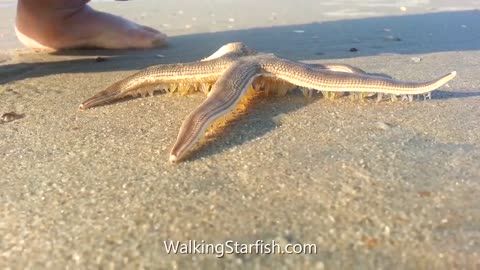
(79, 61)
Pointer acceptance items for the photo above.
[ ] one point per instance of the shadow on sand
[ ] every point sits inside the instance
(408, 34)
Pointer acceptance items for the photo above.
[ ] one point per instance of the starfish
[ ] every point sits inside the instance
(226, 76)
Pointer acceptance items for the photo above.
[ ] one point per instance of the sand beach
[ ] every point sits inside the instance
(388, 185)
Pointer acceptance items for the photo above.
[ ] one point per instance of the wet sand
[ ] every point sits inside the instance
(389, 185)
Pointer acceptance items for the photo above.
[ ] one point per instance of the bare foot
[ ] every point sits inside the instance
(62, 24)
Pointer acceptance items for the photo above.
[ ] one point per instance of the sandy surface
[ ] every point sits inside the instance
(373, 185)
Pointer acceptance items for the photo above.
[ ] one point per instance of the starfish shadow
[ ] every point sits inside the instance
(443, 95)
(257, 121)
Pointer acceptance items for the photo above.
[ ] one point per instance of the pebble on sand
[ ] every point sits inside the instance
(416, 59)
(278, 120)
(383, 126)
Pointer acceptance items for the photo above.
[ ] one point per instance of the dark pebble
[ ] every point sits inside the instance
(100, 59)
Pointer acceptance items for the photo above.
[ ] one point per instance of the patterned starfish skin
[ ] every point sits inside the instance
(233, 68)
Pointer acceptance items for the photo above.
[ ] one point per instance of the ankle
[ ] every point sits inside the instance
(51, 5)
(44, 20)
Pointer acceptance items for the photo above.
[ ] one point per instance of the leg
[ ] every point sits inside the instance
(61, 24)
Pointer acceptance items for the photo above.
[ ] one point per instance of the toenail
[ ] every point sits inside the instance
(159, 41)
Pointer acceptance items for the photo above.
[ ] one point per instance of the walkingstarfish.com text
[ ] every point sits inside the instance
(233, 247)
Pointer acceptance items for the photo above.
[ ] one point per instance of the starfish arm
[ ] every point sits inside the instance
(157, 75)
(326, 80)
(339, 68)
(237, 49)
(224, 96)
(348, 69)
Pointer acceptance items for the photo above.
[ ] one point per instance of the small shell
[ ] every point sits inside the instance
(10, 116)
